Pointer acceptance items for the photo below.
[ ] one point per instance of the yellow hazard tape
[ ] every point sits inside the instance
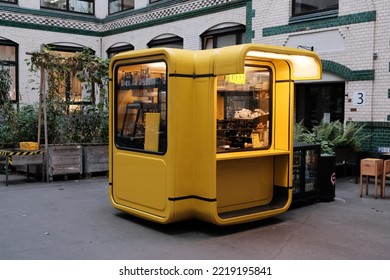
(20, 153)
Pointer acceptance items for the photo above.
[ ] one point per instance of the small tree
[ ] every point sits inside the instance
(90, 70)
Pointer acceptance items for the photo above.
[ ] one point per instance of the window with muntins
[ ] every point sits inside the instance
(9, 64)
(141, 107)
(218, 38)
(76, 6)
(70, 88)
(118, 49)
(115, 6)
(304, 7)
(167, 42)
(10, 1)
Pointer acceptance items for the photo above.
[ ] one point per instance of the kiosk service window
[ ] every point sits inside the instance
(243, 110)
(141, 107)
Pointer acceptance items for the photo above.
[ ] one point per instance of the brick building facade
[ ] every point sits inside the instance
(350, 37)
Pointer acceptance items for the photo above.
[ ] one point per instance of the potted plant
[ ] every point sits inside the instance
(339, 144)
(332, 136)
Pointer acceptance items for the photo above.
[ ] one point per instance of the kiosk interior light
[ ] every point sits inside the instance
(304, 67)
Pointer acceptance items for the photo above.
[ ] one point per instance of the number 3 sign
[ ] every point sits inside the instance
(359, 98)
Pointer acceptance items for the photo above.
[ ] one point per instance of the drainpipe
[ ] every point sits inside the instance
(374, 58)
(101, 47)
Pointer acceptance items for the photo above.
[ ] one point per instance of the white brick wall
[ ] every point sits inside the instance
(360, 42)
(31, 40)
(140, 38)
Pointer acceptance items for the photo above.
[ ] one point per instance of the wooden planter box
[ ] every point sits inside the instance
(64, 160)
(95, 158)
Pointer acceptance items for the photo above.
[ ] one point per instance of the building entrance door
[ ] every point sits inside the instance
(319, 101)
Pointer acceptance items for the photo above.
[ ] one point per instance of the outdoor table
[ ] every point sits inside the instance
(17, 157)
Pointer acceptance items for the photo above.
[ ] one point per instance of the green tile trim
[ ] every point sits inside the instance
(147, 9)
(51, 13)
(380, 135)
(250, 14)
(161, 5)
(182, 16)
(186, 15)
(321, 23)
(346, 73)
(58, 29)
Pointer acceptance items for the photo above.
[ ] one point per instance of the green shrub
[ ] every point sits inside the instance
(332, 135)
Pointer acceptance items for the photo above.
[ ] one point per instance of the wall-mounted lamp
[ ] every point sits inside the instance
(311, 48)
(375, 55)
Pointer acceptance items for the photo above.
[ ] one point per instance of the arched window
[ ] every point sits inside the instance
(219, 36)
(167, 41)
(118, 48)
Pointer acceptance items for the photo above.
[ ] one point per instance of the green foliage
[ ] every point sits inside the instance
(332, 135)
(7, 112)
(18, 126)
(27, 124)
(87, 124)
(5, 86)
(80, 126)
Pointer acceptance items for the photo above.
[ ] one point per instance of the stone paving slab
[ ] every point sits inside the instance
(74, 220)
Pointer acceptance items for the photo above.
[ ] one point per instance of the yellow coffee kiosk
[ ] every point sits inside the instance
(204, 134)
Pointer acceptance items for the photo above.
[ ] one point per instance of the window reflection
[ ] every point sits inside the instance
(79, 6)
(141, 107)
(243, 110)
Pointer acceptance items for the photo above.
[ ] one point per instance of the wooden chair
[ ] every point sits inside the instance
(386, 174)
(371, 167)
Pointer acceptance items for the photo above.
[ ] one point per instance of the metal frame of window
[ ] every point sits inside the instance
(67, 8)
(10, 1)
(135, 107)
(316, 11)
(238, 30)
(174, 40)
(115, 50)
(122, 8)
(14, 63)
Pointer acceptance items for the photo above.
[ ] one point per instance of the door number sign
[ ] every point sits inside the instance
(359, 98)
